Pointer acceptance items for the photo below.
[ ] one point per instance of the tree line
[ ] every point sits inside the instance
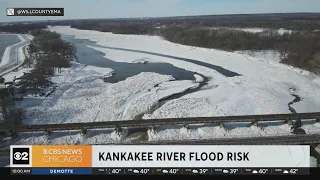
(48, 53)
(300, 25)
(299, 48)
(21, 27)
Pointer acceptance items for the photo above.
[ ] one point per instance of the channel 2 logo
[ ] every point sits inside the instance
(20, 156)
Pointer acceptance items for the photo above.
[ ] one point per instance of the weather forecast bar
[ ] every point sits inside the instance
(158, 160)
(160, 171)
(35, 11)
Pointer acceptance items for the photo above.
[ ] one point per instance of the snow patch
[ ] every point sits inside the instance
(185, 107)
(150, 97)
(311, 127)
(254, 30)
(198, 78)
(141, 61)
(16, 74)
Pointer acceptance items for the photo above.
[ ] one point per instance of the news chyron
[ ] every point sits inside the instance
(158, 159)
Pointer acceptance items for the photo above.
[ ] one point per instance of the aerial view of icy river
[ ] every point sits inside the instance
(7, 40)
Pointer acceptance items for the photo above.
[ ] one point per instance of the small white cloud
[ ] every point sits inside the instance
(165, 171)
(254, 172)
(135, 171)
(195, 171)
(225, 171)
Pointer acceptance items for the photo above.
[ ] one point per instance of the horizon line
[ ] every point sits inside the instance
(156, 17)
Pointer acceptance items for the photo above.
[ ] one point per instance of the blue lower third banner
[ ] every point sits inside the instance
(61, 171)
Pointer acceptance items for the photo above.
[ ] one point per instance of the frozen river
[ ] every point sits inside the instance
(5, 41)
(89, 56)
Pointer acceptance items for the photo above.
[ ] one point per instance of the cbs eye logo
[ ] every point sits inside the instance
(20, 156)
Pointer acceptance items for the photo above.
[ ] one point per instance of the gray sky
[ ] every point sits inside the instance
(83, 9)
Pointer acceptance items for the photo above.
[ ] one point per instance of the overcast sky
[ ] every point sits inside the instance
(75, 9)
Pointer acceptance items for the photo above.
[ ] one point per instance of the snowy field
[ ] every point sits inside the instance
(83, 96)
(254, 30)
(19, 73)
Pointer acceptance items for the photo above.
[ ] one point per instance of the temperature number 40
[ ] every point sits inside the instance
(173, 171)
(144, 171)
